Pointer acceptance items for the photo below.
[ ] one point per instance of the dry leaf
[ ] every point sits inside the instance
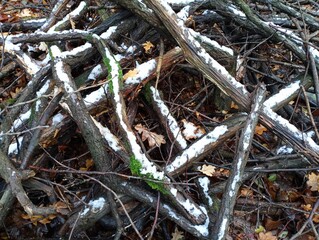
(208, 170)
(177, 235)
(315, 218)
(153, 139)
(25, 13)
(45, 221)
(191, 131)
(88, 164)
(72, 23)
(260, 129)
(233, 105)
(306, 207)
(266, 236)
(131, 73)
(246, 192)
(313, 181)
(147, 46)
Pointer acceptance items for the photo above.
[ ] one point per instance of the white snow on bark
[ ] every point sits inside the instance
(284, 123)
(93, 206)
(106, 35)
(63, 76)
(222, 229)
(13, 147)
(71, 15)
(76, 50)
(96, 71)
(204, 183)
(188, 37)
(57, 118)
(40, 93)
(282, 95)
(236, 11)
(96, 96)
(143, 71)
(109, 137)
(171, 122)
(148, 167)
(196, 148)
(20, 120)
(284, 150)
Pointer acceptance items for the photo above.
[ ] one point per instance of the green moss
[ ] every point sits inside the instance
(159, 186)
(89, 38)
(110, 87)
(33, 114)
(106, 62)
(148, 93)
(51, 54)
(11, 101)
(136, 167)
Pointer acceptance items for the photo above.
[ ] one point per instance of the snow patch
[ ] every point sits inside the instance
(143, 71)
(196, 148)
(204, 183)
(172, 124)
(282, 95)
(94, 205)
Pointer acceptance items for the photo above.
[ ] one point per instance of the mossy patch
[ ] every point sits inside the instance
(136, 167)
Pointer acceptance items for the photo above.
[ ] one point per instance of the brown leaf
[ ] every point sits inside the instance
(260, 129)
(208, 170)
(177, 235)
(131, 73)
(271, 224)
(153, 139)
(233, 105)
(266, 236)
(313, 181)
(147, 46)
(246, 192)
(45, 221)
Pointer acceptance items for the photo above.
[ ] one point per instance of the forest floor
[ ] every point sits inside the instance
(169, 151)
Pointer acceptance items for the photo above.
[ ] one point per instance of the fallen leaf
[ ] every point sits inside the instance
(313, 181)
(246, 192)
(266, 236)
(208, 170)
(131, 73)
(177, 235)
(153, 139)
(272, 224)
(191, 131)
(233, 105)
(260, 129)
(147, 46)
(306, 207)
(315, 218)
(45, 221)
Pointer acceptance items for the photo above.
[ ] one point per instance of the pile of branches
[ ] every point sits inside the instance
(99, 73)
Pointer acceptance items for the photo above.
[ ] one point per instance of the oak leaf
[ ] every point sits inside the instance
(177, 235)
(208, 170)
(260, 129)
(153, 139)
(313, 181)
(131, 73)
(147, 46)
(266, 236)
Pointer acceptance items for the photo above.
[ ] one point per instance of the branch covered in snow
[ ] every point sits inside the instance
(238, 166)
